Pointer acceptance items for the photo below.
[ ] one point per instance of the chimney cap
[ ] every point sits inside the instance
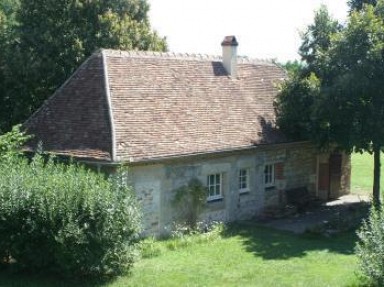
(229, 41)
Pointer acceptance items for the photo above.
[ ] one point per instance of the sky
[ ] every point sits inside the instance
(268, 29)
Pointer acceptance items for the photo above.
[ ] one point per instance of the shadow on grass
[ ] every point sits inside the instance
(9, 278)
(269, 243)
(272, 244)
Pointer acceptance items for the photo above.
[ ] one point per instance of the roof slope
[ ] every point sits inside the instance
(155, 105)
(74, 121)
(168, 105)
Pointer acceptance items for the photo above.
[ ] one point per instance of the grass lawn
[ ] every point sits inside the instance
(252, 256)
(243, 255)
(362, 173)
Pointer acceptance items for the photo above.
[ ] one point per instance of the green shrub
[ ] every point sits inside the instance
(65, 219)
(11, 142)
(189, 201)
(370, 248)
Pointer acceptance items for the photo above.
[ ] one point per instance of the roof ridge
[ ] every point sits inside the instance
(181, 56)
(109, 103)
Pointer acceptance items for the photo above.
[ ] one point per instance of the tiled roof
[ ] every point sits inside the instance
(74, 121)
(153, 105)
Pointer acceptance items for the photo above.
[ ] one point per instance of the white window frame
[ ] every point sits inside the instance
(216, 185)
(241, 180)
(269, 175)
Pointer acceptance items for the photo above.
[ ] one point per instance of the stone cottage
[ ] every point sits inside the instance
(173, 117)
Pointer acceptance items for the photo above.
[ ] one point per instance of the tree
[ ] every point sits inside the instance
(316, 41)
(356, 93)
(348, 110)
(51, 39)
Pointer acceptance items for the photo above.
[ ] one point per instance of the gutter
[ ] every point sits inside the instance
(219, 153)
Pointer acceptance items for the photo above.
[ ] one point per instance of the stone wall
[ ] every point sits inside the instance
(148, 182)
(295, 166)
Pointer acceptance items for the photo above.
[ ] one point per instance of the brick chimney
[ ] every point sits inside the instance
(229, 45)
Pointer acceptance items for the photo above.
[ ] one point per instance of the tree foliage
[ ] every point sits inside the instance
(46, 40)
(298, 109)
(294, 106)
(8, 9)
(293, 67)
(316, 41)
(359, 4)
(356, 63)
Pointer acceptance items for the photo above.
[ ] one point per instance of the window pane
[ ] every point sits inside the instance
(269, 174)
(211, 191)
(214, 185)
(243, 173)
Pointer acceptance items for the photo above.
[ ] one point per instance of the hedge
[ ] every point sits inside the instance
(65, 219)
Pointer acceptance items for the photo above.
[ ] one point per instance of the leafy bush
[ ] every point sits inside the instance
(65, 219)
(11, 142)
(189, 201)
(370, 248)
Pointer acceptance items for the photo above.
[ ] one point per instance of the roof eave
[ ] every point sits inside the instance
(154, 160)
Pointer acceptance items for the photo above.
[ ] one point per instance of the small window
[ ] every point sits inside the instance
(269, 175)
(214, 184)
(243, 180)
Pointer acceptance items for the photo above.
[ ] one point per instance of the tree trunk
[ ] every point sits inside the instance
(376, 177)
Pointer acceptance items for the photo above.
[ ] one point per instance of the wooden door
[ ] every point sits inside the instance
(335, 161)
(323, 181)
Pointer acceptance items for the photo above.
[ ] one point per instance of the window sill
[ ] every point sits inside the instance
(270, 188)
(214, 199)
(243, 191)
